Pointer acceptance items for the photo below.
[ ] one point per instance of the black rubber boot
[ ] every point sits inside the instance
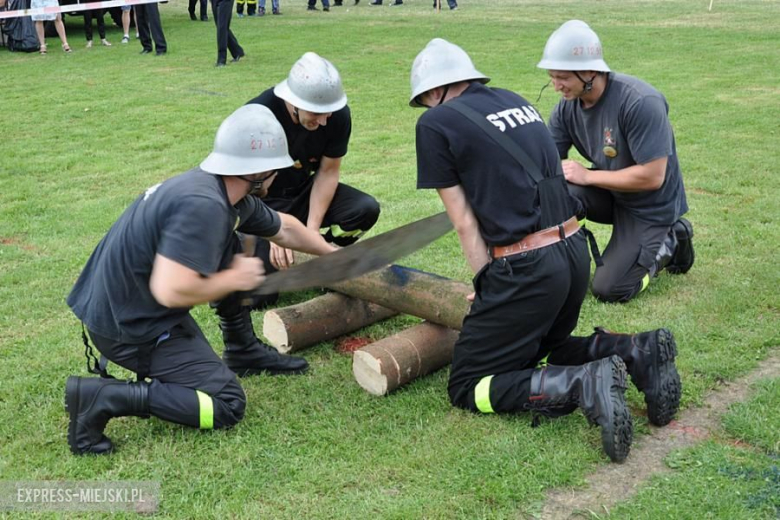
(598, 389)
(246, 355)
(683, 257)
(92, 402)
(664, 255)
(649, 357)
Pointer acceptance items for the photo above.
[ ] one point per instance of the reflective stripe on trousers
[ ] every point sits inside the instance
(206, 411)
(482, 395)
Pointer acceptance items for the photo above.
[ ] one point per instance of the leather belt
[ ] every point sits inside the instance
(543, 238)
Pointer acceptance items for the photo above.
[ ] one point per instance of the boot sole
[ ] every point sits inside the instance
(682, 269)
(617, 436)
(664, 401)
(72, 407)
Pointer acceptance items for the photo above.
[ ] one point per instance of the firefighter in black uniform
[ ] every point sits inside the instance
(173, 248)
(634, 182)
(312, 107)
(495, 166)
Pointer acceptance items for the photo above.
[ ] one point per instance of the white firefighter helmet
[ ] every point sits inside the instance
(249, 141)
(314, 85)
(574, 46)
(441, 63)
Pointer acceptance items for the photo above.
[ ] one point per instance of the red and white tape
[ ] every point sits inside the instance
(73, 8)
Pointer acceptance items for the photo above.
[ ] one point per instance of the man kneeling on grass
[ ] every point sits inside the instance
(496, 168)
(175, 247)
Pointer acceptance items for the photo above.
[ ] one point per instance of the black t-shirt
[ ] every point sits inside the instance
(187, 219)
(628, 125)
(305, 147)
(452, 150)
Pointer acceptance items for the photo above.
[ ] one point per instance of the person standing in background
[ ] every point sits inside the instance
(274, 8)
(222, 11)
(313, 5)
(98, 15)
(203, 10)
(147, 20)
(251, 5)
(126, 9)
(58, 25)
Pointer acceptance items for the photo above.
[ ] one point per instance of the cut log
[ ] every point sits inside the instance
(297, 327)
(383, 366)
(428, 296)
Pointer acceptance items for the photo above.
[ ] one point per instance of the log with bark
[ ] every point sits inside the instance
(428, 296)
(293, 328)
(383, 366)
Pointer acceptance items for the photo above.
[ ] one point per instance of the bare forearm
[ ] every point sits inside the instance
(474, 247)
(466, 226)
(175, 291)
(294, 235)
(174, 285)
(640, 177)
(322, 192)
(632, 179)
(199, 291)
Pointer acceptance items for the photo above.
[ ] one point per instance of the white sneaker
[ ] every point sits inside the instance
(89, 44)
(105, 43)
(125, 38)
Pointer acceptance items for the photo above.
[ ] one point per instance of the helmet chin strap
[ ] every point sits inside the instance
(587, 86)
(297, 116)
(441, 98)
(542, 90)
(256, 185)
(443, 95)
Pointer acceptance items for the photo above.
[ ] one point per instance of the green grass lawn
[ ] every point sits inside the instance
(734, 475)
(84, 134)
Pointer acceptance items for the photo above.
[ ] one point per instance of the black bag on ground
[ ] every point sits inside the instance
(20, 31)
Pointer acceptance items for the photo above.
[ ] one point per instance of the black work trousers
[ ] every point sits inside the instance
(222, 12)
(350, 215)
(101, 25)
(190, 384)
(203, 8)
(631, 252)
(147, 18)
(526, 307)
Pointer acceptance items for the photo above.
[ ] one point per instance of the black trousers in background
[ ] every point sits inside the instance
(222, 11)
(203, 8)
(147, 18)
(350, 215)
(526, 307)
(182, 363)
(632, 248)
(98, 15)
